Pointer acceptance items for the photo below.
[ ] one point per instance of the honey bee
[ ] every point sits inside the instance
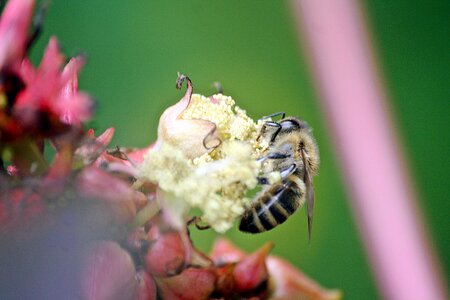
(293, 152)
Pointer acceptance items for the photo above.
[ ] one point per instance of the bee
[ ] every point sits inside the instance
(293, 152)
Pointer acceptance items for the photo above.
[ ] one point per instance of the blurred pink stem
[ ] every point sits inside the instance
(355, 104)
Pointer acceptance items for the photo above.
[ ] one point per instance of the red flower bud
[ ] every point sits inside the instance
(191, 284)
(252, 271)
(108, 273)
(168, 253)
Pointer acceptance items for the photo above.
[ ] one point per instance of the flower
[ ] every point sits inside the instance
(50, 92)
(204, 137)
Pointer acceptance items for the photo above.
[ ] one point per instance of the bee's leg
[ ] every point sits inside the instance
(288, 171)
(196, 220)
(284, 173)
(281, 113)
(277, 130)
(272, 155)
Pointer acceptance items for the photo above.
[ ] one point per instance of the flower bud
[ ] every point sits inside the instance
(167, 254)
(108, 273)
(250, 272)
(224, 251)
(93, 147)
(191, 284)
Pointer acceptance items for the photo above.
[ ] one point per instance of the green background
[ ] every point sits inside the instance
(135, 48)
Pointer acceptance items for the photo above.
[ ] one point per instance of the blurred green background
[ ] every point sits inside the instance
(135, 48)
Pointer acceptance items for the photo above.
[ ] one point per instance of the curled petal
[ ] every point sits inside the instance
(194, 137)
(191, 284)
(14, 24)
(290, 283)
(108, 273)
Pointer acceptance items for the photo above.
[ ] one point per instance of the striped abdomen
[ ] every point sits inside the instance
(273, 206)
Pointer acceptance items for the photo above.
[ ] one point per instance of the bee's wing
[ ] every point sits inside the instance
(309, 193)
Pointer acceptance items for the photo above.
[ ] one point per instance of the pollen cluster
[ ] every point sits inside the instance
(217, 187)
(232, 122)
(217, 181)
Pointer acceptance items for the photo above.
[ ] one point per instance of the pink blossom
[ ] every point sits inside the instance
(14, 25)
(52, 91)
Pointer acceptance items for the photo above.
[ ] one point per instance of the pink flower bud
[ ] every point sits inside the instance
(93, 147)
(167, 254)
(194, 137)
(250, 272)
(191, 284)
(108, 273)
(224, 251)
